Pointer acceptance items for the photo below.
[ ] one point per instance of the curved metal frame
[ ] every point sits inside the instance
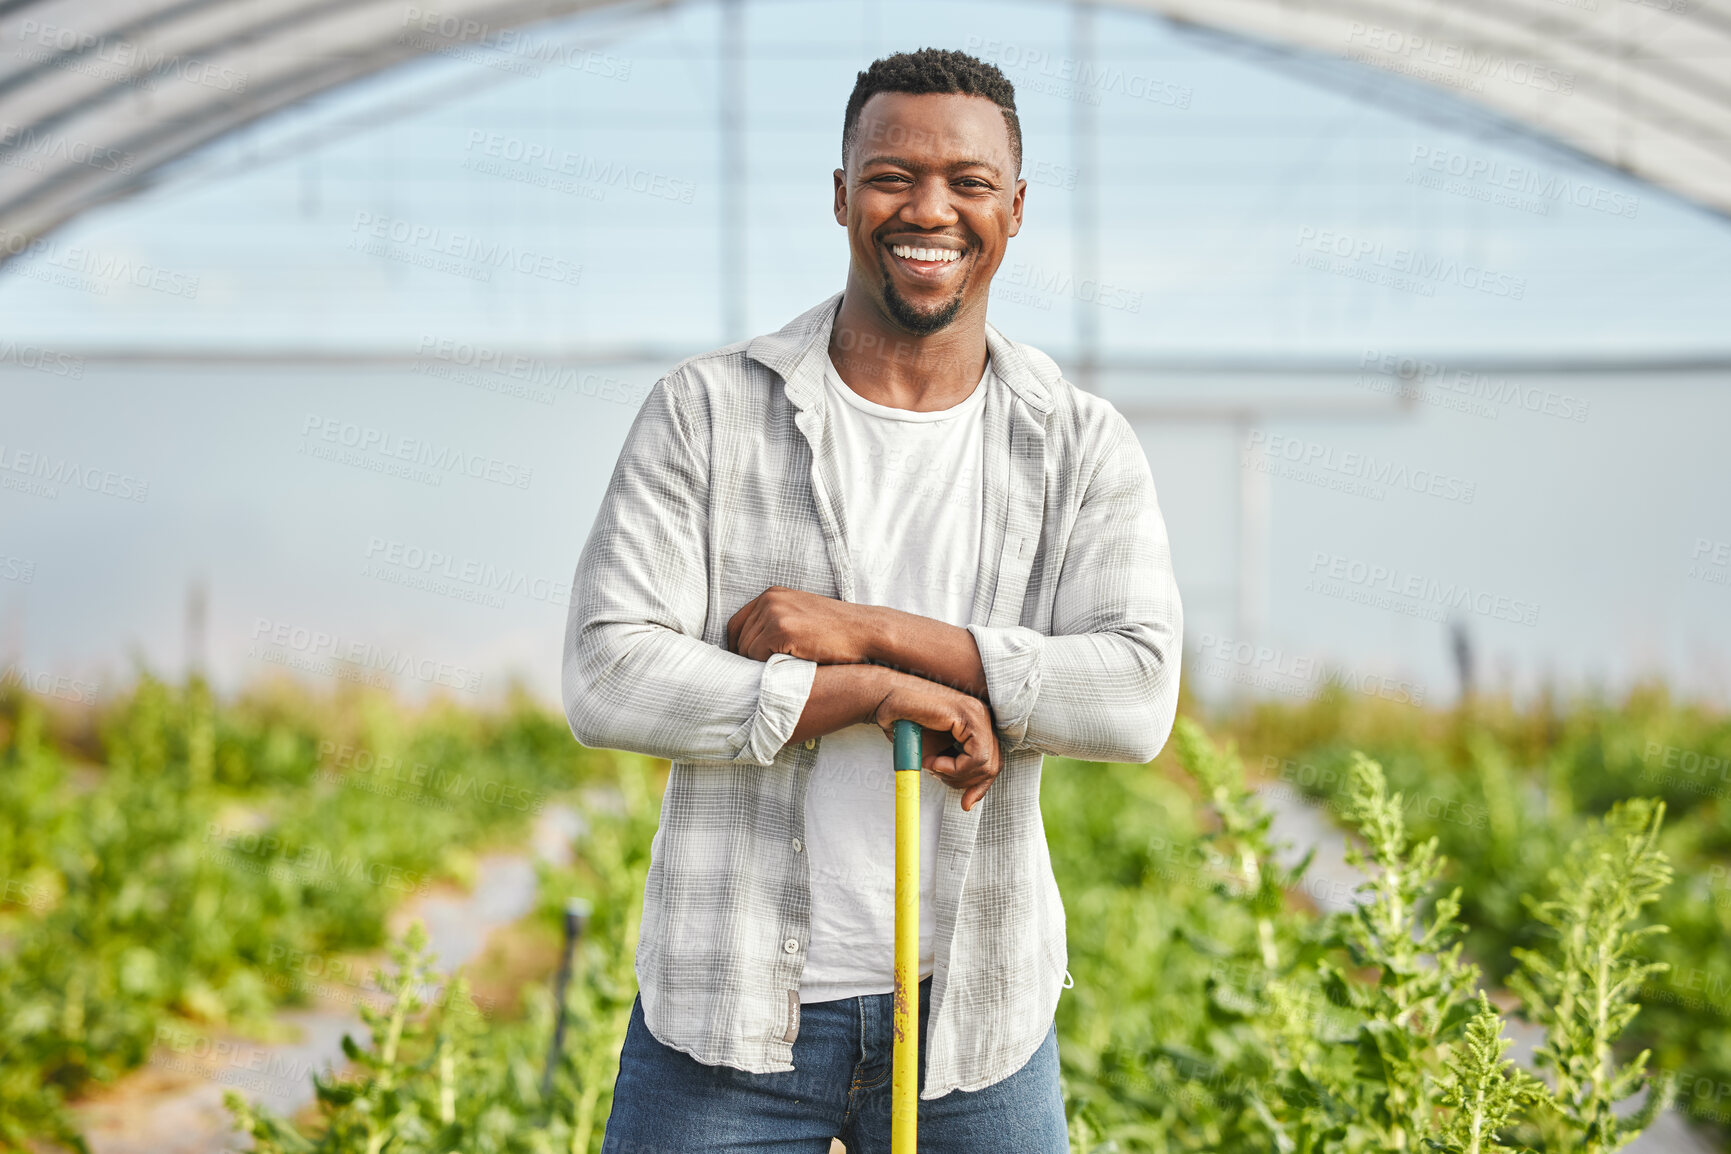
(1645, 97)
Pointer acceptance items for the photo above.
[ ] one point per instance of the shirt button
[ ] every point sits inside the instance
(791, 946)
(811, 743)
(798, 845)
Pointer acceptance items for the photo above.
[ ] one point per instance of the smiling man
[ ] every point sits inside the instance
(885, 510)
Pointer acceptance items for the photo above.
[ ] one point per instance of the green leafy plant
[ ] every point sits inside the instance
(1484, 1091)
(1356, 1032)
(1510, 789)
(1419, 1000)
(436, 1078)
(1583, 988)
(175, 882)
(402, 1092)
(1214, 1007)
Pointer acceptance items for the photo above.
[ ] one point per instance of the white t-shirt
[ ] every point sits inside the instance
(912, 491)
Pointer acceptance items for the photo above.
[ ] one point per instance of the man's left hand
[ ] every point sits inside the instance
(808, 625)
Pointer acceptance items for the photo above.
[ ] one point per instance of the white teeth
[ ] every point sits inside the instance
(908, 252)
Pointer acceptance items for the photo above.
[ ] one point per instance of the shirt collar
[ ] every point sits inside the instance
(796, 353)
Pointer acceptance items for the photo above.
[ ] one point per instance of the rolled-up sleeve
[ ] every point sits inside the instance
(1104, 685)
(637, 674)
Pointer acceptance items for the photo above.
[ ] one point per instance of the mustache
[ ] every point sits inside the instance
(966, 245)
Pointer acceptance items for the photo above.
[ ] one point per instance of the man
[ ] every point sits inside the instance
(885, 510)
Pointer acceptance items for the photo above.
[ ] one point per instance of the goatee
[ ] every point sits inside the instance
(916, 322)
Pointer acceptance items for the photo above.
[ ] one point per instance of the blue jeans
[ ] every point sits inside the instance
(667, 1102)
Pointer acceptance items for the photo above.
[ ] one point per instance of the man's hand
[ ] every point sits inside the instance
(808, 625)
(949, 718)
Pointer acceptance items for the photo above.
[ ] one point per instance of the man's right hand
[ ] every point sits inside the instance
(949, 718)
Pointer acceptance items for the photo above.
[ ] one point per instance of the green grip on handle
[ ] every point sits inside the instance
(907, 740)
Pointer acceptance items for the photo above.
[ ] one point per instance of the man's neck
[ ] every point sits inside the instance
(884, 363)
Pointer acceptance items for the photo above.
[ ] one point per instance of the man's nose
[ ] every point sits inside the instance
(928, 205)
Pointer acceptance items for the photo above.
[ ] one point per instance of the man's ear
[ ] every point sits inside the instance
(841, 198)
(1016, 207)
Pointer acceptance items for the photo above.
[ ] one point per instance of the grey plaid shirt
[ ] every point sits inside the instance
(728, 484)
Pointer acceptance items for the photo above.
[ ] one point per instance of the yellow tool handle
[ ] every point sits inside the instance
(905, 1057)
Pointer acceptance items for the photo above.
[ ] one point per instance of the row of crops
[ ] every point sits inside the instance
(1507, 792)
(168, 859)
(169, 863)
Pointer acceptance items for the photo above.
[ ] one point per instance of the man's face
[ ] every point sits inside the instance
(930, 199)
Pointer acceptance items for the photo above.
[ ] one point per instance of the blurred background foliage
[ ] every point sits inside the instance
(169, 859)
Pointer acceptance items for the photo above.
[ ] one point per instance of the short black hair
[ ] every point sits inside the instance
(938, 70)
